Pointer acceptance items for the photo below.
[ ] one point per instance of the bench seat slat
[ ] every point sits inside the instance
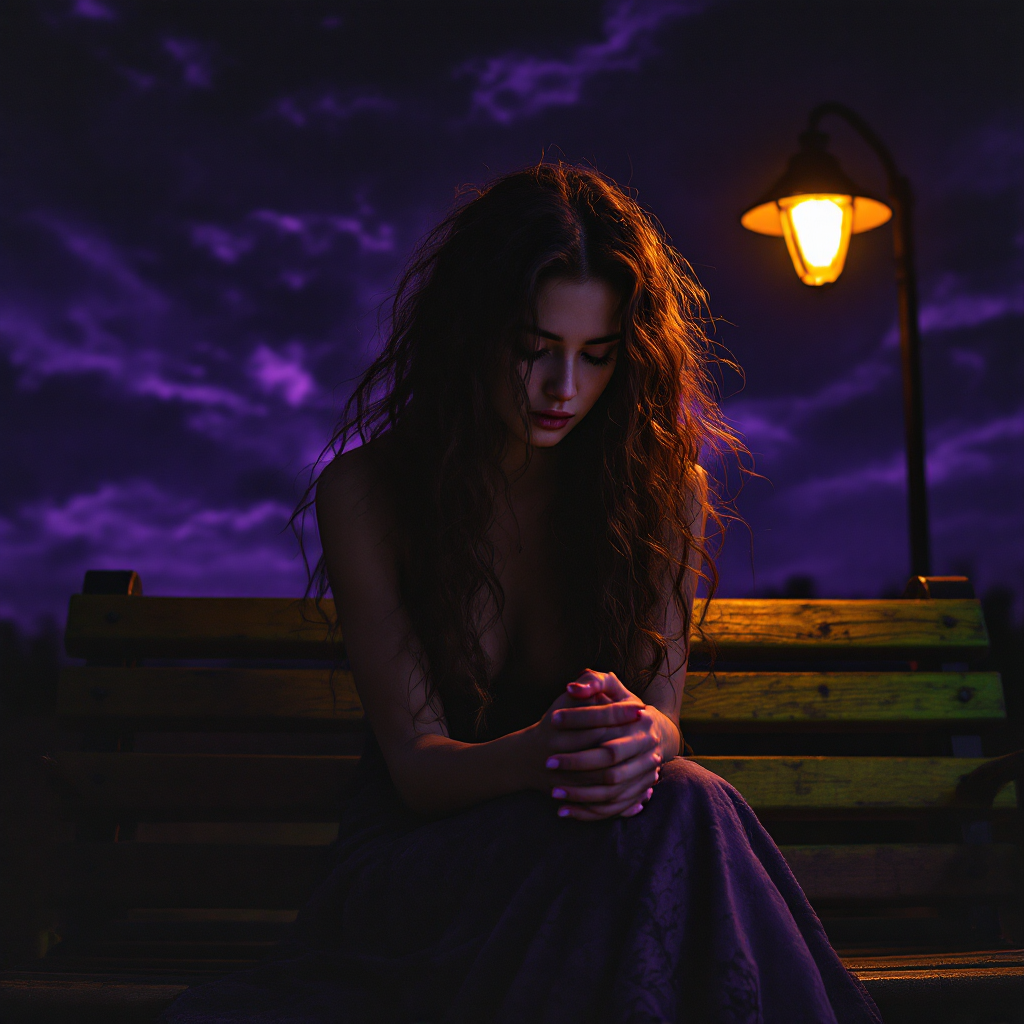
(189, 787)
(968, 989)
(222, 694)
(906, 871)
(725, 700)
(125, 875)
(849, 783)
(106, 626)
(304, 788)
(273, 877)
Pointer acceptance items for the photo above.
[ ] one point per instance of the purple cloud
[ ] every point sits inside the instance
(177, 544)
(988, 160)
(92, 10)
(772, 423)
(961, 453)
(316, 234)
(952, 307)
(223, 245)
(329, 107)
(954, 312)
(516, 85)
(956, 455)
(194, 60)
(115, 324)
(41, 350)
(283, 374)
(967, 359)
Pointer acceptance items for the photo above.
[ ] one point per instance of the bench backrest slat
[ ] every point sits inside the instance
(103, 626)
(165, 695)
(236, 697)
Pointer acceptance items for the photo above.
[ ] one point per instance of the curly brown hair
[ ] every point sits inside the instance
(629, 482)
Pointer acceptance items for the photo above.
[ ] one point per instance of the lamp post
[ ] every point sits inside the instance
(816, 208)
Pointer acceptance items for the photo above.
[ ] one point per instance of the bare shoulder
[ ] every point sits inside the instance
(349, 489)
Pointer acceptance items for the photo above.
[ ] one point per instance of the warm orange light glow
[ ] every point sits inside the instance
(817, 230)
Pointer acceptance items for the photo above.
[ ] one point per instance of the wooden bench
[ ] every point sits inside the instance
(219, 735)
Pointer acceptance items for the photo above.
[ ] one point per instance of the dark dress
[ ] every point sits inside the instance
(507, 913)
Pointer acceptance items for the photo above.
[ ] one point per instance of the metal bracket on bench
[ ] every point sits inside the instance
(112, 581)
(108, 581)
(938, 587)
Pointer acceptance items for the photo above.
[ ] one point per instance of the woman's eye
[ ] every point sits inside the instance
(599, 360)
(531, 355)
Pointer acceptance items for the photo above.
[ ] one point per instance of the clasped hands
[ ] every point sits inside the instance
(602, 748)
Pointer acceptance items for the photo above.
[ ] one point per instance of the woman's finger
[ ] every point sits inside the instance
(611, 752)
(637, 802)
(634, 777)
(617, 713)
(563, 744)
(591, 682)
(627, 807)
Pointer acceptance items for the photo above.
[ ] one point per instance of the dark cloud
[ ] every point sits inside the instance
(202, 207)
(516, 85)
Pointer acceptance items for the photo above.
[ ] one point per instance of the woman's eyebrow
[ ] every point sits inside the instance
(593, 341)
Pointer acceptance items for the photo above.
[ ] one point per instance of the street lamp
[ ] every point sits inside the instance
(816, 208)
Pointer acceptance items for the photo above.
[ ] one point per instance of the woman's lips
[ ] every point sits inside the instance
(548, 419)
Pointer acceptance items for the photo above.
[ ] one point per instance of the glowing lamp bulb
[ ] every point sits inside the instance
(817, 229)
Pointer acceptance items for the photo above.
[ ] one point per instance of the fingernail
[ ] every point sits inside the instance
(650, 793)
(563, 812)
(556, 718)
(638, 808)
(639, 712)
(657, 773)
(551, 762)
(559, 794)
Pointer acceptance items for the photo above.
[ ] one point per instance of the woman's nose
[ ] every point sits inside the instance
(561, 383)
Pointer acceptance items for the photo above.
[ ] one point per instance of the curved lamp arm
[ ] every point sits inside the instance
(861, 127)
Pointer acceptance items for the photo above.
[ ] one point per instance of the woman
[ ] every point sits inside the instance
(513, 552)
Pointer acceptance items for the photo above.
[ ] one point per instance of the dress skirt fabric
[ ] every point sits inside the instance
(686, 913)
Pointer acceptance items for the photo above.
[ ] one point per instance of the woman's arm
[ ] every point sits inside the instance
(616, 777)
(433, 773)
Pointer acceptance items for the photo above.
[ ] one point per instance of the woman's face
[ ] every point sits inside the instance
(568, 362)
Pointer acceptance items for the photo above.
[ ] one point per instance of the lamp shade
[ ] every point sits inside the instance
(815, 206)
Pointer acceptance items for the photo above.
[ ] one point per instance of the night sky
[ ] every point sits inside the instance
(203, 205)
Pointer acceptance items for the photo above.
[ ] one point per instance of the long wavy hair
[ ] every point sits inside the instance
(629, 487)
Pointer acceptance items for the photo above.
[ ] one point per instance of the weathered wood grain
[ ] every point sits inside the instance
(238, 833)
(908, 871)
(123, 875)
(31, 996)
(108, 626)
(105, 626)
(304, 788)
(159, 697)
(197, 786)
(731, 700)
(849, 783)
(223, 694)
(748, 627)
